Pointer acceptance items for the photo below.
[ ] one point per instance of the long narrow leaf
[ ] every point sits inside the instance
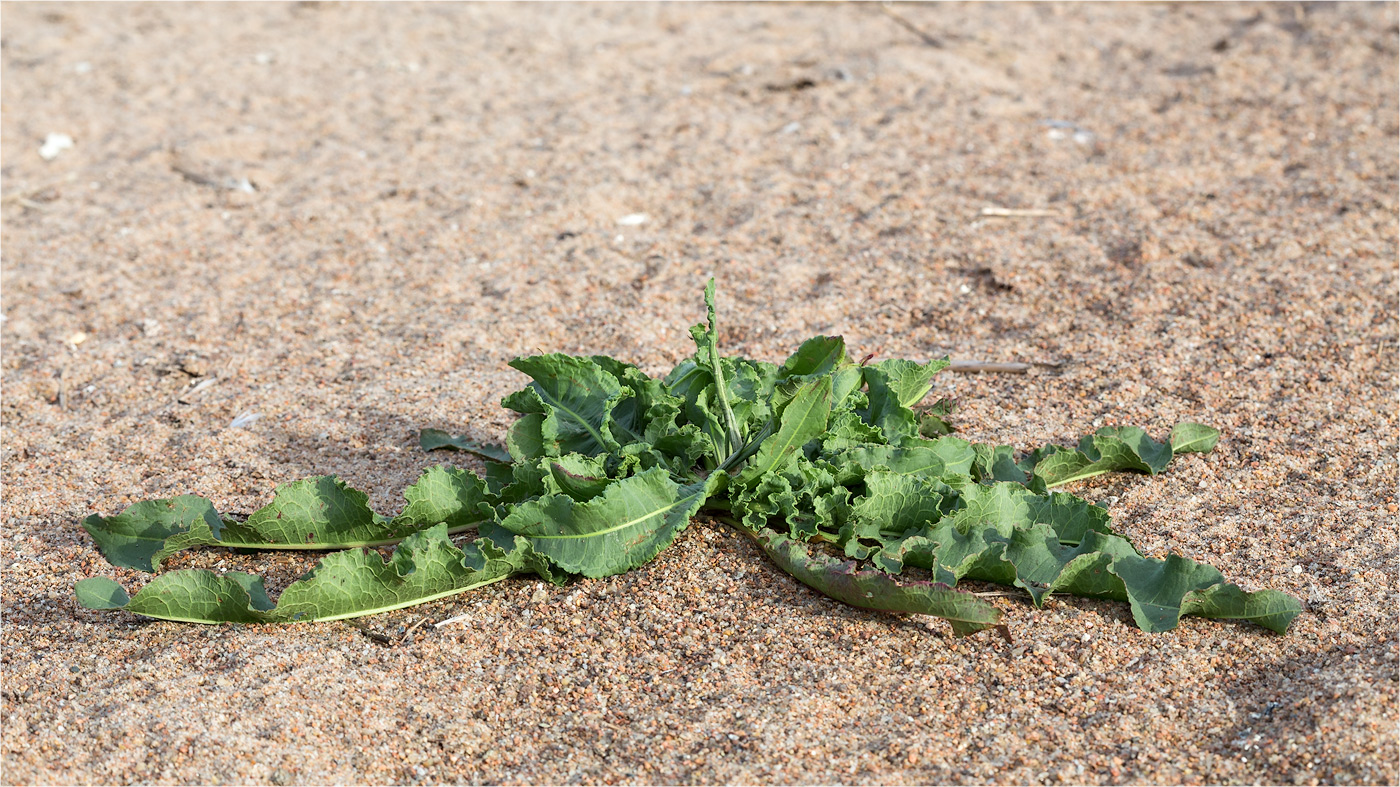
(316, 513)
(842, 581)
(352, 583)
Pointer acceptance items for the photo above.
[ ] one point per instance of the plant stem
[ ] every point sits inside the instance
(721, 389)
(735, 440)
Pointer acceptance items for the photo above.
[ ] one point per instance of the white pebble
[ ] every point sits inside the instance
(244, 420)
(54, 144)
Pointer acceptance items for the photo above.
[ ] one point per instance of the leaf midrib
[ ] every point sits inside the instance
(318, 546)
(343, 616)
(781, 453)
(557, 403)
(624, 525)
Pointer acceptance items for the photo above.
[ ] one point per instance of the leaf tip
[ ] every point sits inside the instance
(101, 593)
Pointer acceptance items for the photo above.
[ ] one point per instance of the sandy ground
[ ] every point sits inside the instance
(432, 190)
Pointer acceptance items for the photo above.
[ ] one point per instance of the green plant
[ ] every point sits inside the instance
(824, 462)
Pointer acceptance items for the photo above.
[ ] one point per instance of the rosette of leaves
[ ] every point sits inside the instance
(826, 463)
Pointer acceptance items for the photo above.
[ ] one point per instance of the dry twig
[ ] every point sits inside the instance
(1020, 213)
(975, 367)
(910, 26)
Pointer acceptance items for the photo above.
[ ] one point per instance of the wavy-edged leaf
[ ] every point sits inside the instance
(574, 397)
(425, 567)
(964, 543)
(946, 456)
(624, 527)
(1107, 450)
(997, 463)
(436, 439)
(843, 581)
(846, 428)
(320, 512)
(1271, 609)
(317, 513)
(892, 505)
(894, 386)
(819, 356)
(804, 498)
(803, 419)
(445, 495)
(1161, 591)
(1044, 565)
(1058, 543)
(148, 532)
(652, 415)
(1189, 438)
(188, 596)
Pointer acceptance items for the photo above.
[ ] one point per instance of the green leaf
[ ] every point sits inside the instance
(706, 336)
(353, 583)
(946, 456)
(578, 477)
(434, 439)
(1044, 565)
(817, 357)
(1157, 588)
(425, 567)
(1271, 609)
(895, 386)
(1193, 438)
(652, 415)
(894, 504)
(444, 495)
(1059, 543)
(526, 439)
(1107, 450)
(842, 581)
(803, 419)
(101, 593)
(187, 596)
(753, 393)
(996, 463)
(315, 513)
(846, 429)
(905, 382)
(148, 532)
(575, 396)
(625, 527)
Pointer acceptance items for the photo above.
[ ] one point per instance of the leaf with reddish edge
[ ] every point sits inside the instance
(868, 589)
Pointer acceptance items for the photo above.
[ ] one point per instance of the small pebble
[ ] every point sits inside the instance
(54, 144)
